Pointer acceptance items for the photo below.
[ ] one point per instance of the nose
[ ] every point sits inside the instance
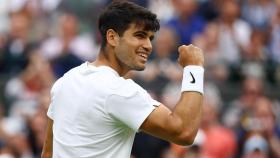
(148, 45)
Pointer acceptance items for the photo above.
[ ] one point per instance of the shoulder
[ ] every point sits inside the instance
(56, 85)
(126, 87)
(67, 76)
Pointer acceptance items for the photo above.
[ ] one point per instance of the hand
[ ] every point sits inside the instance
(190, 55)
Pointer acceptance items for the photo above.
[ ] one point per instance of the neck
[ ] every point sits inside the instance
(106, 57)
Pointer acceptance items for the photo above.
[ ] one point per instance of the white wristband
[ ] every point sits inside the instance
(193, 78)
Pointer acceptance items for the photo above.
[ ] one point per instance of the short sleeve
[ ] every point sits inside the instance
(50, 112)
(50, 109)
(132, 109)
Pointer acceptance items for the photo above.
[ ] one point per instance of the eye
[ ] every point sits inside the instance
(140, 36)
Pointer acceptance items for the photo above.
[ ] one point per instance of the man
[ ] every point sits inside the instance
(95, 112)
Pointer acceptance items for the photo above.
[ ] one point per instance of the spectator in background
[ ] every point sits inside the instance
(258, 13)
(217, 68)
(14, 53)
(18, 145)
(261, 134)
(267, 125)
(256, 50)
(274, 45)
(208, 9)
(69, 49)
(224, 40)
(186, 22)
(234, 33)
(3, 76)
(37, 123)
(4, 16)
(14, 142)
(254, 56)
(163, 8)
(219, 141)
(275, 36)
(22, 91)
(255, 147)
(26, 101)
(241, 109)
(2, 44)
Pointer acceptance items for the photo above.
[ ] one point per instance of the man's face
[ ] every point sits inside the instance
(134, 48)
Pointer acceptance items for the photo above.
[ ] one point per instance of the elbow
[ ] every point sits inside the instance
(182, 135)
(186, 137)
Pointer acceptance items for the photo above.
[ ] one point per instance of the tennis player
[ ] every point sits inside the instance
(95, 112)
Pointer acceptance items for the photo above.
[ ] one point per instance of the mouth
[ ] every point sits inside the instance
(143, 56)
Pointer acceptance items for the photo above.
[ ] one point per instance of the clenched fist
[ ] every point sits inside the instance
(190, 55)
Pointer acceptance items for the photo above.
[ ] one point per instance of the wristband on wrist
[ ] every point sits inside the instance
(193, 77)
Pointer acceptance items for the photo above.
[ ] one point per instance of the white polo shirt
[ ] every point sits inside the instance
(96, 113)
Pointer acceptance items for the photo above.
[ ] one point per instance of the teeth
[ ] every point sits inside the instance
(143, 55)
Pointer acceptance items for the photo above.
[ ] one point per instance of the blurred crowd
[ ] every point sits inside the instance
(41, 40)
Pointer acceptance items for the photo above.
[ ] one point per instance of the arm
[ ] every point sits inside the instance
(47, 149)
(180, 125)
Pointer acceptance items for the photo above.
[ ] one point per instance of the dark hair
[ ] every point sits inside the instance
(120, 14)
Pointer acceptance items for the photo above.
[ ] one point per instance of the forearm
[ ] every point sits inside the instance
(189, 107)
(189, 111)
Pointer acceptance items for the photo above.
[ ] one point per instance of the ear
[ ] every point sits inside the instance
(112, 37)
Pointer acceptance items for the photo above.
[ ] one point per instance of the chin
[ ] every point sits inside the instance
(139, 68)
